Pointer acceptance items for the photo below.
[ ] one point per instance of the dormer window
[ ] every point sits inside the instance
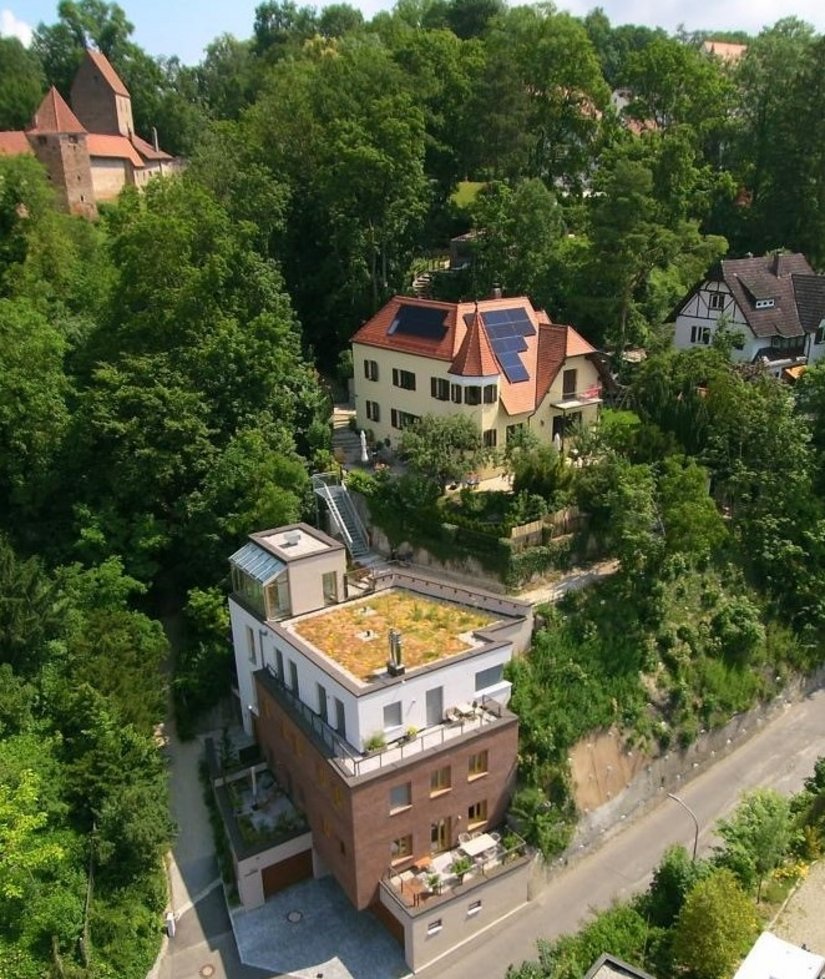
(765, 303)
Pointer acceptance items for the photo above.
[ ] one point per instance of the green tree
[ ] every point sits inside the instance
(692, 523)
(443, 449)
(756, 837)
(715, 927)
(21, 84)
(517, 245)
(673, 879)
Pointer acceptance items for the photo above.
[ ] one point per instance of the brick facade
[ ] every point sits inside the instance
(352, 826)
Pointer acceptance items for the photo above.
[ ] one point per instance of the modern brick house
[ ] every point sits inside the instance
(90, 151)
(775, 302)
(383, 716)
(500, 362)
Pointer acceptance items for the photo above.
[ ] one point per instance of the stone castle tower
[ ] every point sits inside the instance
(59, 142)
(100, 99)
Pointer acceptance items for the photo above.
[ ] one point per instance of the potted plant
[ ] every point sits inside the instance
(411, 733)
(375, 742)
(434, 882)
(461, 866)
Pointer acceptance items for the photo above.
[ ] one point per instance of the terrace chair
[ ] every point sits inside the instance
(495, 836)
(464, 837)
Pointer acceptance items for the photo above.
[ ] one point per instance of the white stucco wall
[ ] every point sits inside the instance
(364, 714)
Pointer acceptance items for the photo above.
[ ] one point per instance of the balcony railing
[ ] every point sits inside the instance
(578, 399)
(417, 893)
(353, 763)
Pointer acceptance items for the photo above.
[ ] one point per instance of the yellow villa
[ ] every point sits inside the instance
(500, 362)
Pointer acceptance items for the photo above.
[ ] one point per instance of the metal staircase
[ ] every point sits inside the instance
(343, 513)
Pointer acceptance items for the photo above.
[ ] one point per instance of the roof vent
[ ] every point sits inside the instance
(292, 538)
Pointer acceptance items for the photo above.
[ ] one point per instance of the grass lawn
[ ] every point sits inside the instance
(356, 635)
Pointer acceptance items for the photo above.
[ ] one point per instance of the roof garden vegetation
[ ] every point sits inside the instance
(356, 635)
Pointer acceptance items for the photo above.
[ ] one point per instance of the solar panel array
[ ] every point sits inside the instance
(420, 321)
(506, 329)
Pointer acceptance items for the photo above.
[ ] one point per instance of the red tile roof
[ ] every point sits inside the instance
(475, 356)
(14, 144)
(110, 76)
(54, 116)
(119, 147)
(467, 347)
(147, 151)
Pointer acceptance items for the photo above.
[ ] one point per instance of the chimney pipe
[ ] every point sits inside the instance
(155, 139)
(496, 293)
(395, 664)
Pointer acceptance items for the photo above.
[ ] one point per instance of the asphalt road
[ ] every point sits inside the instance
(780, 756)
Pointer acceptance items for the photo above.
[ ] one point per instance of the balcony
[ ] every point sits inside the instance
(458, 721)
(573, 400)
(436, 879)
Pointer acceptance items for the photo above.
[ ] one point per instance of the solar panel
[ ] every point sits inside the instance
(420, 321)
(506, 330)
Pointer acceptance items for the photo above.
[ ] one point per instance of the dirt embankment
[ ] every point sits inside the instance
(601, 765)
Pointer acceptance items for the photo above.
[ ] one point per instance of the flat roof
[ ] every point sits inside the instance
(774, 958)
(355, 635)
(295, 541)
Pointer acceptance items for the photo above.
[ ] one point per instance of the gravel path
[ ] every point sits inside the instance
(803, 920)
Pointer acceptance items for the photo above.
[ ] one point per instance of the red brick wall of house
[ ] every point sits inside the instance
(352, 827)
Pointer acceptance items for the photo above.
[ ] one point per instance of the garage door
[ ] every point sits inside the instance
(289, 871)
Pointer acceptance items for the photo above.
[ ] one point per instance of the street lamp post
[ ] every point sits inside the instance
(692, 815)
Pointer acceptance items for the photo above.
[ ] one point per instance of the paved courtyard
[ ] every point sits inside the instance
(311, 931)
(803, 919)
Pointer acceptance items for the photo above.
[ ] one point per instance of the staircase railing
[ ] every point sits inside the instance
(323, 483)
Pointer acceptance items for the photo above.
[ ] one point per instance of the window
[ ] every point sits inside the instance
(401, 849)
(477, 765)
(489, 677)
(716, 300)
(371, 370)
(320, 773)
(392, 714)
(440, 836)
(490, 394)
(434, 927)
(440, 388)
(330, 586)
(472, 395)
(401, 797)
(250, 644)
(440, 780)
(403, 379)
(568, 383)
(455, 394)
(489, 438)
(279, 664)
(820, 333)
(322, 700)
(340, 718)
(764, 303)
(293, 677)
(700, 334)
(373, 410)
(325, 827)
(513, 430)
(337, 796)
(277, 596)
(474, 907)
(342, 847)
(402, 419)
(477, 814)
